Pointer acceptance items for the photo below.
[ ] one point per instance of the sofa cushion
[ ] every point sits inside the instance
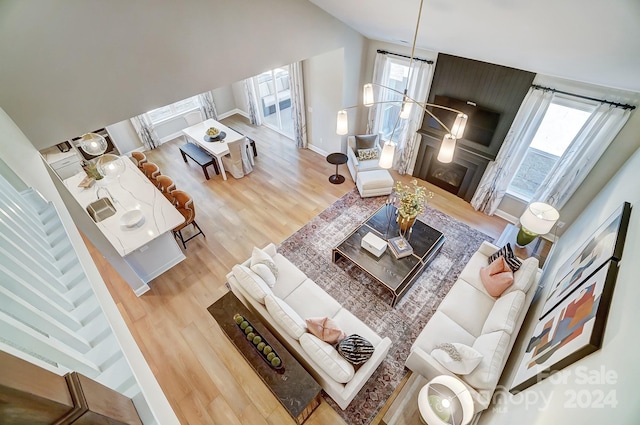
(506, 252)
(366, 141)
(327, 358)
(493, 347)
(263, 265)
(504, 313)
(440, 328)
(471, 272)
(289, 277)
(355, 349)
(467, 306)
(497, 276)
(457, 358)
(309, 300)
(352, 325)
(523, 279)
(253, 284)
(285, 317)
(326, 329)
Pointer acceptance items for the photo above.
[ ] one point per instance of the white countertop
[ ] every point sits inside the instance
(132, 190)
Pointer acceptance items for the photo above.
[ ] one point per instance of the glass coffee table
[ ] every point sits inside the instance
(396, 275)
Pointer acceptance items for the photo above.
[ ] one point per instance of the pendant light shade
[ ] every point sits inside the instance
(110, 165)
(367, 95)
(386, 157)
(447, 147)
(406, 109)
(342, 123)
(93, 144)
(457, 130)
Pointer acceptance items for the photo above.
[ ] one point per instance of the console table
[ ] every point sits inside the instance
(292, 385)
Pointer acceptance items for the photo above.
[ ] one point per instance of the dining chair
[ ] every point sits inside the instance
(193, 118)
(238, 162)
(166, 186)
(184, 204)
(139, 158)
(152, 171)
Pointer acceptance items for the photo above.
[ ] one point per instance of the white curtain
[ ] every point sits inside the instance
(409, 140)
(584, 151)
(298, 106)
(207, 105)
(380, 73)
(252, 102)
(499, 173)
(146, 131)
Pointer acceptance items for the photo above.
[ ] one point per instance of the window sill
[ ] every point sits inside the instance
(172, 117)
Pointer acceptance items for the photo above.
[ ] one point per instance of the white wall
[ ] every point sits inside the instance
(70, 67)
(549, 401)
(240, 97)
(323, 79)
(124, 136)
(224, 99)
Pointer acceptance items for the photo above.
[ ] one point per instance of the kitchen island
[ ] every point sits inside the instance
(146, 243)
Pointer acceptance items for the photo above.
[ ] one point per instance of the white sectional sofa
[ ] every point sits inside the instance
(293, 290)
(470, 316)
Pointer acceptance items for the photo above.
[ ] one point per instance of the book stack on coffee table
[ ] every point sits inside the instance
(400, 247)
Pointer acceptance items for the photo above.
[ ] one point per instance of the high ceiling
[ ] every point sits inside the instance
(590, 41)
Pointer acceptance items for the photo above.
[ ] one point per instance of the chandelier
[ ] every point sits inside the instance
(447, 147)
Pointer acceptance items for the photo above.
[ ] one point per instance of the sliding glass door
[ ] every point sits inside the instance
(274, 100)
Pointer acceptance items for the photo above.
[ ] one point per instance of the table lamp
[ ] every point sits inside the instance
(445, 400)
(537, 219)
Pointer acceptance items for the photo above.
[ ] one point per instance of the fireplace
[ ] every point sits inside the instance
(460, 177)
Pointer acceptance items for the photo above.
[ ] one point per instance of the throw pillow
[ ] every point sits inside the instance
(366, 141)
(285, 316)
(457, 358)
(366, 154)
(258, 256)
(253, 284)
(506, 252)
(326, 329)
(496, 277)
(265, 273)
(355, 349)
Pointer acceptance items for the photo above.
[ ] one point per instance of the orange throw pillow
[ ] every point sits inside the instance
(496, 277)
(326, 329)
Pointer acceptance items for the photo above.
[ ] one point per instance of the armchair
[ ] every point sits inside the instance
(354, 164)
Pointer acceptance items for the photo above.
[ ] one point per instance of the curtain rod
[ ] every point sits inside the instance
(618, 105)
(384, 52)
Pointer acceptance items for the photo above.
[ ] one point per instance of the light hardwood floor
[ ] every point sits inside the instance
(205, 379)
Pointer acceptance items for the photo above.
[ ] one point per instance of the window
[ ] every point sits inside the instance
(395, 76)
(175, 109)
(274, 94)
(561, 123)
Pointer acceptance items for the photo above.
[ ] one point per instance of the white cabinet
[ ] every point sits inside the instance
(65, 164)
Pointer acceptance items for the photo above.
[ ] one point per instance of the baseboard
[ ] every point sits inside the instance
(317, 150)
(233, 112)
(510, 218)
(141, 290)
(171, 137)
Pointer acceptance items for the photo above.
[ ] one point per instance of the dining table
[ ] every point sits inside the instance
(197, 134)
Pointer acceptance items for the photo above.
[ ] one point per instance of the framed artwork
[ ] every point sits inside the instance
(570, 331)
(605, 244)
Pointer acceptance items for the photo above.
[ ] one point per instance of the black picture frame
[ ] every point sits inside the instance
(606, 243)
(554, 345)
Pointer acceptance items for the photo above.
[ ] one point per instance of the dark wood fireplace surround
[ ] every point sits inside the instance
(489, 86)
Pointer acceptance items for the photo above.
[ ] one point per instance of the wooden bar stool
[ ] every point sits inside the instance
(167, 186)
(152, 171)
(139, 158)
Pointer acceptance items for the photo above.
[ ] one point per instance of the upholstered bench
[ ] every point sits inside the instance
(374, 183)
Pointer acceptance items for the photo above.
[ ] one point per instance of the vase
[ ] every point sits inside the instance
(405, 222)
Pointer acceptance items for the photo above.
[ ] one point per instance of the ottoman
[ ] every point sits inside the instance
(374, 183)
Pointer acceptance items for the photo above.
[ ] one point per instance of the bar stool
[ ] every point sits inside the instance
(184, 204)
(166, 186)
(152, 171)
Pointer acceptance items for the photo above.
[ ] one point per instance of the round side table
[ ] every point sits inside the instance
(445, 400)
(337, 159)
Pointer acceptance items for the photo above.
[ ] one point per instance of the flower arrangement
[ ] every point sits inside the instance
(412, 198)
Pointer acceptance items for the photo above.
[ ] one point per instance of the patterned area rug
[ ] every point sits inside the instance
(310, 250)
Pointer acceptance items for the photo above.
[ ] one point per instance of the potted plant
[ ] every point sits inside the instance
(411, 201)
